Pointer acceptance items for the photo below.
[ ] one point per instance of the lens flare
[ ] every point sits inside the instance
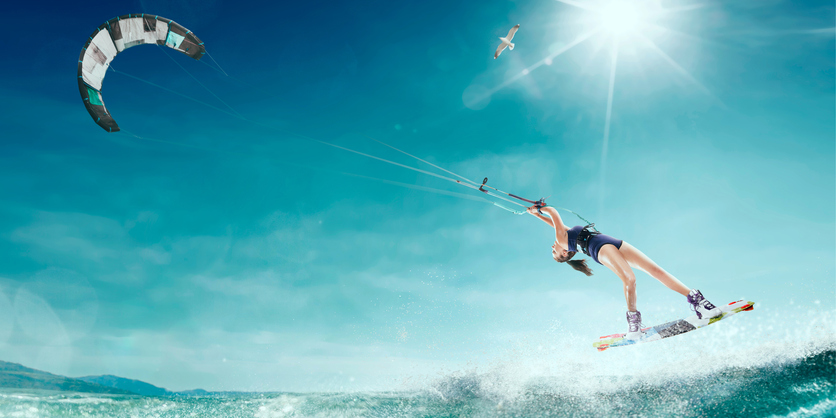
(620, 18)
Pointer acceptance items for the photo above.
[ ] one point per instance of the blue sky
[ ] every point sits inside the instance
(203, 250)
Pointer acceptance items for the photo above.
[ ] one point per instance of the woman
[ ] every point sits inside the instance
(621, 258)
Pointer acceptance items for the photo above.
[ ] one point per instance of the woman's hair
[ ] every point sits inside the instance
(579, 265)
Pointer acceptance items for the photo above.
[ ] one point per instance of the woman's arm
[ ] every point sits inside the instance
(534, 210)
(554, 220)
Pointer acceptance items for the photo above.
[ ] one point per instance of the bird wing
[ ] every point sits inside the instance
(499, 50)
(512, 32)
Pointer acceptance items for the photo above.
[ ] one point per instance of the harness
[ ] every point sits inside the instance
(583, 237)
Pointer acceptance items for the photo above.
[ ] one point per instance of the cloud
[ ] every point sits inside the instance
(38, 320)
(7, 317)
(366, 286)
(258, 360)
(80, 241)
(75, 235)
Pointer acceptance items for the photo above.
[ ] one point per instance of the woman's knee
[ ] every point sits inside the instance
(628, 277)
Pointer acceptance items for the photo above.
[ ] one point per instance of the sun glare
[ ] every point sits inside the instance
(629, 25)
(620, 18)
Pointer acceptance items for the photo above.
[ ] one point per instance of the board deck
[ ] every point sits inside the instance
(672, 328)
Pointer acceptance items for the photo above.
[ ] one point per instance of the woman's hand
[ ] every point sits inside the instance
(537, 212)
(534, 210)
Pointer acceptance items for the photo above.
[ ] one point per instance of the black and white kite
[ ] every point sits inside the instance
(117, 35)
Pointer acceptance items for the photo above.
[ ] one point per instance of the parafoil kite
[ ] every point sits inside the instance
(117, 35)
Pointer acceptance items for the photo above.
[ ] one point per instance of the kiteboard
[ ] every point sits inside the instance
(672, 328)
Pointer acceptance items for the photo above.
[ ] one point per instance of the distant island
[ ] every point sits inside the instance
(16, 376)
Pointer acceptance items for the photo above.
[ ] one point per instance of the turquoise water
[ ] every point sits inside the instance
(802, 385)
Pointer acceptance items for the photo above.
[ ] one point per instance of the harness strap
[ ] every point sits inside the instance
(583, 237)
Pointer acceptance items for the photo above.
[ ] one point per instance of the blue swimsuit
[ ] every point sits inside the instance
(595, 242)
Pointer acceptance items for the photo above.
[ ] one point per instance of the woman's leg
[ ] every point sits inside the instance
(637, 259)
(609, 256)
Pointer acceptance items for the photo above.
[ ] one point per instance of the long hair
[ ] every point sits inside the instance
(579, 265)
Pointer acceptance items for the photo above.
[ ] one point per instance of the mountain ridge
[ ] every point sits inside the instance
(18, 376)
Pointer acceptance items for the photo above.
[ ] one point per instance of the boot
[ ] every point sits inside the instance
(634, 321)
(703, 308)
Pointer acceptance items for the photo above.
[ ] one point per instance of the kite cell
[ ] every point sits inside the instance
(117, 35)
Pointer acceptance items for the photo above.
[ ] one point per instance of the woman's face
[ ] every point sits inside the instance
(559, 253)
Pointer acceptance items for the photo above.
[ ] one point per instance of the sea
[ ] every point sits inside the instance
(764, 363)
(789, 380)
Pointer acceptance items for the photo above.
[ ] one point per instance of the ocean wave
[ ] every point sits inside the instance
(717, 373)
(797, 380)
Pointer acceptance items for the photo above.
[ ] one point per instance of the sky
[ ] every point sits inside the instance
(215, 243)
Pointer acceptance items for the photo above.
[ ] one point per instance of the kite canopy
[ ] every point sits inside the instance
(117, 35)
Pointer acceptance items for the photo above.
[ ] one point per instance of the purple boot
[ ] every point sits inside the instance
(634, 321)
(702, 307)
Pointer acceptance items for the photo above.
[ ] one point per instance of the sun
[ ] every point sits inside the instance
(620, 18)
(626, 25)
(623, 18)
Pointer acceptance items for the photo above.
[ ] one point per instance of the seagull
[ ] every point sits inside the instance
(506, 41)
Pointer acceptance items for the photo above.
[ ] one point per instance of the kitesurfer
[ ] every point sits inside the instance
(620, 257)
